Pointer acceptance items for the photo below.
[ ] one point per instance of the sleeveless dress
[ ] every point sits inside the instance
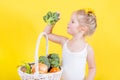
(73, 63)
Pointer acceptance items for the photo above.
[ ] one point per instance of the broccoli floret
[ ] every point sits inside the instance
(54, 60)
(51, 18)
(44, 60)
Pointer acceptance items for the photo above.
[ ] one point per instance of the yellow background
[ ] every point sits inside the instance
(21, 22)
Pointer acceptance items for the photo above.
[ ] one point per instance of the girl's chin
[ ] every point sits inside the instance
(69, 32)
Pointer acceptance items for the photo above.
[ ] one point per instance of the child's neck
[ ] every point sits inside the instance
(78, 37)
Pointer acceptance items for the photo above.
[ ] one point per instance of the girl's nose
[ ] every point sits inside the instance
(68, 23)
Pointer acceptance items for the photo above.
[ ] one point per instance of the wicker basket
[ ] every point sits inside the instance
(36, 75)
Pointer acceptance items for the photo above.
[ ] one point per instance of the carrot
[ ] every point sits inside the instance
(54, 69)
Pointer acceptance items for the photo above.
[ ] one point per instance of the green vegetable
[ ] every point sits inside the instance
(54, 60)
(44, 60)
(51, 18)
(28, 68)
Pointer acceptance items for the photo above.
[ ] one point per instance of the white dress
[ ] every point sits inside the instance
(73, 63)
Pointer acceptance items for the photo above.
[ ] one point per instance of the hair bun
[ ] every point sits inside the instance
(89, 12)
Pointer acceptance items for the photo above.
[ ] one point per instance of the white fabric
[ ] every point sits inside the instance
(73, 63)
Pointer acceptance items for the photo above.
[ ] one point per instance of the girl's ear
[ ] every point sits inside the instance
(84, 28)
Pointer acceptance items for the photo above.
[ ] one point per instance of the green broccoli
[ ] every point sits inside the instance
(54, 60)
(44, 60)
(51, 18)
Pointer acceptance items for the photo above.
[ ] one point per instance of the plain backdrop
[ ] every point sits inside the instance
(21, 21)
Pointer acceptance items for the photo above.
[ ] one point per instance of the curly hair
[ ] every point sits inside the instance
(89, 20)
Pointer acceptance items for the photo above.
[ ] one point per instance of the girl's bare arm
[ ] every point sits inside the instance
(53, 37)
(91, 64)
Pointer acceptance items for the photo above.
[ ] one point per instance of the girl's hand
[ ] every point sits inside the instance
(51, 19)
(50, 26)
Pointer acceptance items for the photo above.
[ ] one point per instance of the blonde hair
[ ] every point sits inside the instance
(89, 20)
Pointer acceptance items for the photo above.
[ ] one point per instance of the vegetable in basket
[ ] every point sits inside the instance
(51, 18)
(42, 68)
(46, 64)
(43, 65)
(54, 62)
(26, 68)
(44, 60)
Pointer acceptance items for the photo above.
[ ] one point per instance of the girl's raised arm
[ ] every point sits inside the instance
(53, 37)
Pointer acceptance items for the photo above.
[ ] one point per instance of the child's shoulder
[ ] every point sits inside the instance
(64, 41)
(90, 49)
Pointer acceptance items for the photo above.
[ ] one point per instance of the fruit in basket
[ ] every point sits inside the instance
(51, 18)
(42, 68)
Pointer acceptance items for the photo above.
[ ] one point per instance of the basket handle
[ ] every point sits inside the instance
(36, 52)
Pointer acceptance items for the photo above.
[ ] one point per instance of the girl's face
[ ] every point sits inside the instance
(73, 25)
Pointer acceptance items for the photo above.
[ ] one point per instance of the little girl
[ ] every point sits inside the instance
(76, 51)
